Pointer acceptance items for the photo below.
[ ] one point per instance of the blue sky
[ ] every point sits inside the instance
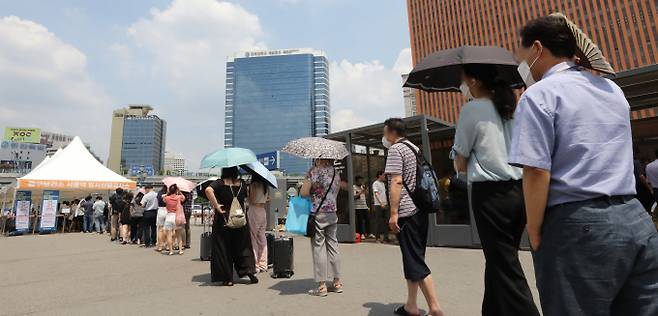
(64, 65)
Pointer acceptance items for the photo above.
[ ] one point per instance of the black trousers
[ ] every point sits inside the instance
(135, 229)
(380, 222)
(362, 221)
(231, 248)
(149, 231)
(188, 235)
(413, 242)
(500, 218)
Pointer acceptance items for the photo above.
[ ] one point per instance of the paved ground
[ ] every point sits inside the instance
(76, 274)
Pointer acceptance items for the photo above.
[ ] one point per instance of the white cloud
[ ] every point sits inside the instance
(44, 83)
(364, 93)
(187, 45)
(403, 64)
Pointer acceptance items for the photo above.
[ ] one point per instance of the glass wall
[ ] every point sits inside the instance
(143, 142)
(273, 100)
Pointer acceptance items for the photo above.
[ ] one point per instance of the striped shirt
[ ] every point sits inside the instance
(402, 161)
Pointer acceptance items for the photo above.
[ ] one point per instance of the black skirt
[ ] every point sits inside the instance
(231, 248)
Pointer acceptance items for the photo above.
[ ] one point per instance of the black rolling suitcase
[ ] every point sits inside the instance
(283, 261)
(206, 242)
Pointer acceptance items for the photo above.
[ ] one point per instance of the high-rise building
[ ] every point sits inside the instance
(409, 98)
(137, 139)
(625, 30)
(275, 96)
(174, 164)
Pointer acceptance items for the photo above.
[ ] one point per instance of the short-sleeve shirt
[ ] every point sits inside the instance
(172, 202)
(360, 202)
(483, 137)
(577, 126)
(401, 160)
(652, 173)
(150, 201)
(320, 178)
(225, 193)
(99, 207)
(378, 187)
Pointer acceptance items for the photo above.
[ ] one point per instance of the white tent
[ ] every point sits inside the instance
(73, 168)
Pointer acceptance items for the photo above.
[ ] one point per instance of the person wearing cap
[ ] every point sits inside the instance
(595, 249)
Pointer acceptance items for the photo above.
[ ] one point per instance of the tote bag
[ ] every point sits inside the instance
(299, 209)
(180, 215)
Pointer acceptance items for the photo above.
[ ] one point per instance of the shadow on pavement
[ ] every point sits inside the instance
(293, 287)
(379, 309)
(206, 280)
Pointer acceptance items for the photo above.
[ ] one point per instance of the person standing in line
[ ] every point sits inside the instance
(187, 209)
(123, 207)
(361, 207)
(258, 198)
(160, 220)
(115, 214)
(406, 220)
(480, 147)
(594, 245)
(88, 211)
(136, 219)
(231, 247)
(150, 204)
(381, 213)
(99, 208)
(322, 184)
(652, 176)
(173, 200)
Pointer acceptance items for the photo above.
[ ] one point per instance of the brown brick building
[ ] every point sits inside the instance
(625, 30)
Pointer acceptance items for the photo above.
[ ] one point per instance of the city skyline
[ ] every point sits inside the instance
(74, 62)
(613, 25)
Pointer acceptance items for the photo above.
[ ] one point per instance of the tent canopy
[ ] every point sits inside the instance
(73, 168)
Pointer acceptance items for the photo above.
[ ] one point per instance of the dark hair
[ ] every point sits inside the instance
(230, 173)
(163, 189)
(99, 197)
(148, 186)
(396, 125)
(88, 198)
(503, 97)
(172, 189)
(128, 197)
(380, 173)
(357, 178)
(261, 180)
(553, 33)
(119, 191)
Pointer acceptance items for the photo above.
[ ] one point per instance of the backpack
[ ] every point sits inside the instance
(426, 195)
(236, 216)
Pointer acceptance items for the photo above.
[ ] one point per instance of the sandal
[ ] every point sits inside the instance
(336, 288)
(171, 253)
(401, 311)
(181, 252)
(321, 292)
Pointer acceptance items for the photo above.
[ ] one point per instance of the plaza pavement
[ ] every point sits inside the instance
(85, 274)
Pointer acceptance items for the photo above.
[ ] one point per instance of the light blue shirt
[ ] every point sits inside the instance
(576, 125)
(483, 137)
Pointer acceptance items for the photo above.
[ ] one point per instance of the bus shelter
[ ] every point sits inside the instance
(454, 224)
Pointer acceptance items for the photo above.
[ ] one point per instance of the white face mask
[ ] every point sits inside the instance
(526, 74)
(466, 91)
(386, 143)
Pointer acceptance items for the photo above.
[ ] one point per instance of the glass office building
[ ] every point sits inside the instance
(143, 142)
(275, 96)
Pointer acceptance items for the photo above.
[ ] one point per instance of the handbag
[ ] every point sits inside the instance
(310, 224)
(236, 217)
(180, 215)
(299, 208)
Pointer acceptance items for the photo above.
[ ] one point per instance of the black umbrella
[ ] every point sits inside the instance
(441, 71)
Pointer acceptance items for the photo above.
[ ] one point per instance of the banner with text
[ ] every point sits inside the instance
(22, 207)
(48, 221)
